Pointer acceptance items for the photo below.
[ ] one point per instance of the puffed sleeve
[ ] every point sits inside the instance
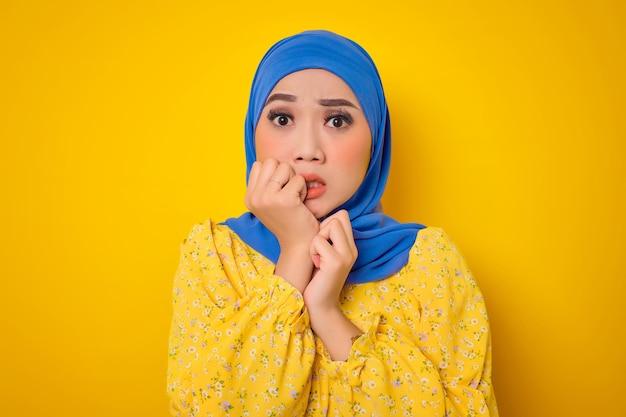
(426, 347)
(239, 342)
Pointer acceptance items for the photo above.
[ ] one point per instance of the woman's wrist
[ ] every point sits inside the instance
(295, 266)
(335, 330)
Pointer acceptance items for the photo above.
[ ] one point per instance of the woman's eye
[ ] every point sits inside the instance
(338, 122)
(279, 119)
(282, 120)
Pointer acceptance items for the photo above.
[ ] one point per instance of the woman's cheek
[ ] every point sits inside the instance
(268, 146)
(354, 158)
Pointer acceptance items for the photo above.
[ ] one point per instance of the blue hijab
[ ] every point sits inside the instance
(382, 242)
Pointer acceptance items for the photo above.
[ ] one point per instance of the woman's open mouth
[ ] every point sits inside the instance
(315, 186)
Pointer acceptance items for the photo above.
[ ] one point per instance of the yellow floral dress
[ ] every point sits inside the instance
(241, 344)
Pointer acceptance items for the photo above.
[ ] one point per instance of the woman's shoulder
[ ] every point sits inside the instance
(436, 254)
(215, 242)
(433, 251)
(210, 232)
(433, 239)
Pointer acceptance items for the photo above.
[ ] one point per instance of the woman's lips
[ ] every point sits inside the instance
(315, 186)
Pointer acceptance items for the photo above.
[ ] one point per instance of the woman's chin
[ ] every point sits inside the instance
(316, 208)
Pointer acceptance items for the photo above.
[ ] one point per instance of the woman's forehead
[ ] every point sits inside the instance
(314, 82)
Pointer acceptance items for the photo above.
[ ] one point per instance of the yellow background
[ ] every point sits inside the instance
(121, 125)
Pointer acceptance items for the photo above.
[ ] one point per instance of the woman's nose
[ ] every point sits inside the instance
(308, 146)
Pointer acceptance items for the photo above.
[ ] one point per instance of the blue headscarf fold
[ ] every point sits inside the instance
(382, 242)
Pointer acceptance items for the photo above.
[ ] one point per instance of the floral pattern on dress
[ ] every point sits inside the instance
(241, 343)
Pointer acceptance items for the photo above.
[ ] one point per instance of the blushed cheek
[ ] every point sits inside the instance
(273, 152)
(267, 147)
(354, 158)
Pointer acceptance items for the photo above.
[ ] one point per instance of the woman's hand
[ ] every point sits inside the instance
(333, 253)
(275, 195)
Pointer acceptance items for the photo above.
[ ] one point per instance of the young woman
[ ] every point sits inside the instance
(314, 302)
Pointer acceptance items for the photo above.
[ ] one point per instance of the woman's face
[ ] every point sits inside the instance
(313, 121)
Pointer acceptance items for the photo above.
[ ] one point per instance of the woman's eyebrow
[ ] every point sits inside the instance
(280, 96)
(336, 102)
(326, 102)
